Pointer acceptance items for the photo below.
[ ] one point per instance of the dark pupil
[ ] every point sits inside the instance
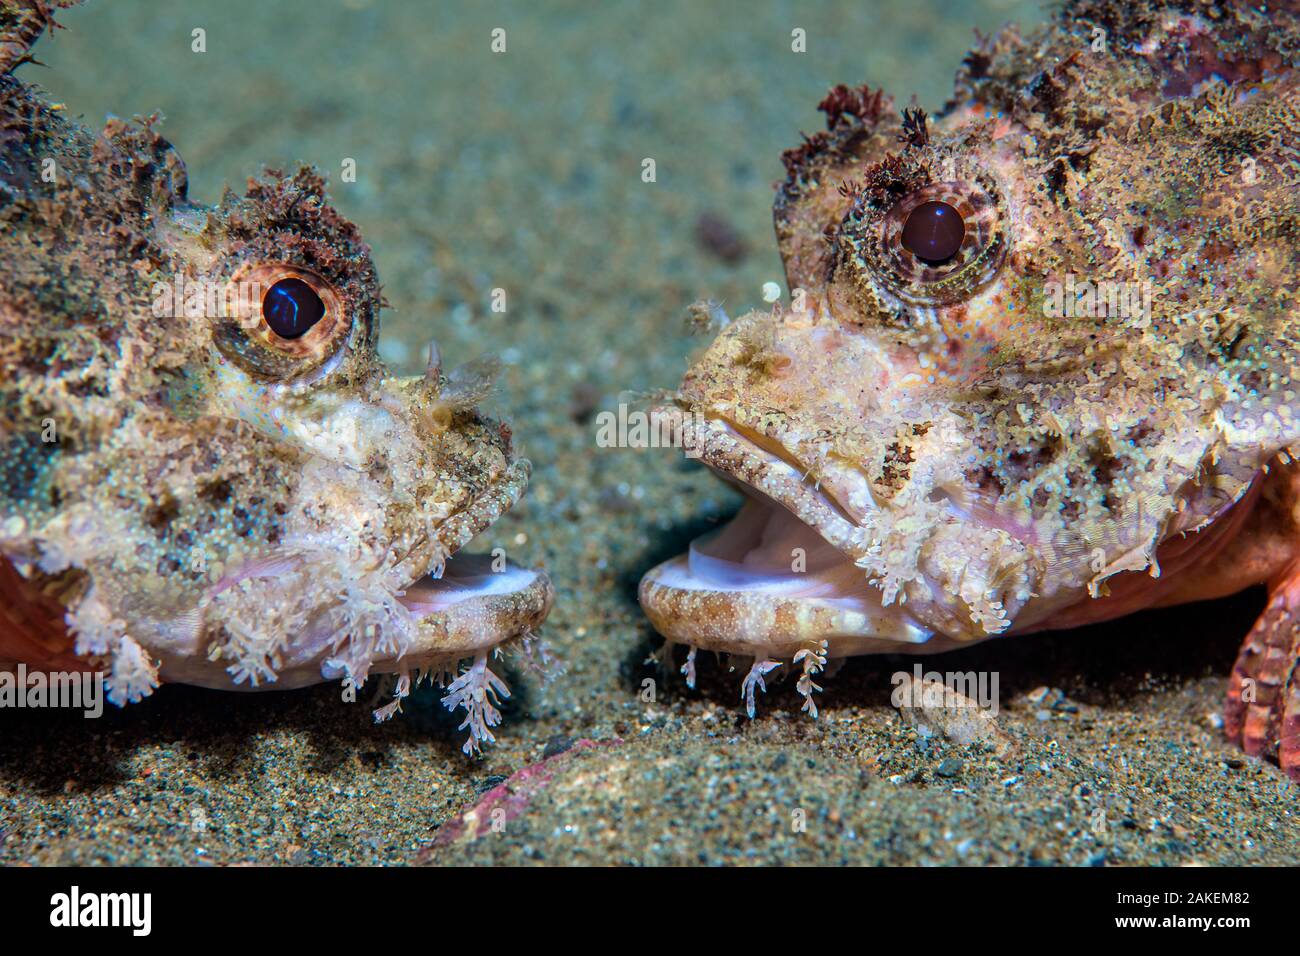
(291, 307)
(933, 232)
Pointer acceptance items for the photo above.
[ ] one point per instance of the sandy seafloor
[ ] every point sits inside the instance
(522, 171)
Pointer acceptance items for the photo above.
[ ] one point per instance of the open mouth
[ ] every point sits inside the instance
(464, 606)
(473, 603)
(468, 577)
(466, 613)
(478, 601)
(447, 625)
(780, 574)
(784, 574)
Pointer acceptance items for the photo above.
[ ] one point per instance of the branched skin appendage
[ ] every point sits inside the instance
(754, 681)
(813, 661)
(206, 473)
(1038, 365)
(472, 685)
(477, 690)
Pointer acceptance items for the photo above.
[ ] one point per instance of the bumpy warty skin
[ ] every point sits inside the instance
(188, 497)
(990, 455)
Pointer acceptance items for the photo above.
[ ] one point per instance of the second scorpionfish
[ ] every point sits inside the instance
(1040, 366)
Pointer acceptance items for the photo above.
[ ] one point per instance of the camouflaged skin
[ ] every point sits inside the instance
(993, 460)
(1078, 433)
(205, 506)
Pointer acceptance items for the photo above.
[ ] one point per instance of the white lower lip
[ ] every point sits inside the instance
(467, 577)
(750, 559)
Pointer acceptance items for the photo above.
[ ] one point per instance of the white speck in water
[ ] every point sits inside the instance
(771, 291)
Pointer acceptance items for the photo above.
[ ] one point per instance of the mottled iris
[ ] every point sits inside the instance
(927, 243)
(291, 307)
(933, 232)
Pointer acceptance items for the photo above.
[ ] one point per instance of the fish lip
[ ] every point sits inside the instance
(470, 616)
(462, 614)
(487, 508)
(772, 478)
(781, 477)
(454, 622)
(441, 542)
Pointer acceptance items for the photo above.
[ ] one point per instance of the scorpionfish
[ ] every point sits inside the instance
(207, 476)
(1039, 365)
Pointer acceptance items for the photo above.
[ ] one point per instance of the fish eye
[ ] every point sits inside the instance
(291, 307)
(284, 321)
(938, 244)
(933, 232)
